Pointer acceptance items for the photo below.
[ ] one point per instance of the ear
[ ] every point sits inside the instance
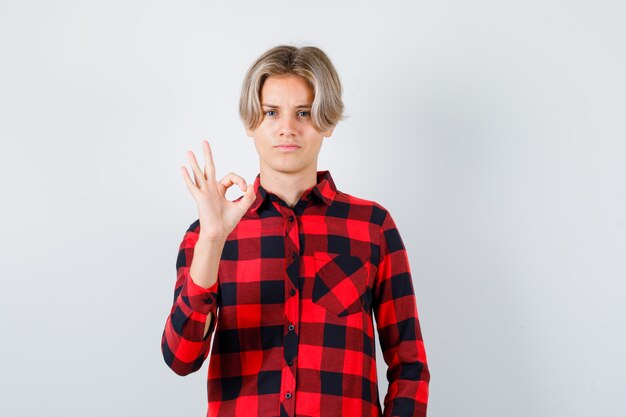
(329, 132)
(249, 132)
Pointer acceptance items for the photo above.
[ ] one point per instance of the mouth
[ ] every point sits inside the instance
(287, 148)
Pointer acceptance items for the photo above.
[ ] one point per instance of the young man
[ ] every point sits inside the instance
(290, 275)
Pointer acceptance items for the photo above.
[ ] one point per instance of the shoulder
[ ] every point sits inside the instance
(194, 227)
(362, 208)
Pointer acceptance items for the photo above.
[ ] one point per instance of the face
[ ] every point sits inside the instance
(286, 103)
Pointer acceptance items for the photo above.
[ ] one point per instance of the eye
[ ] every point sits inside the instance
(307, 114)
(270, 111)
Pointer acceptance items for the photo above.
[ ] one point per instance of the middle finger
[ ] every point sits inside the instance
(209, 167)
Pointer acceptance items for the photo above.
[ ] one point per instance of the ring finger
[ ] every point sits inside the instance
(197, 173)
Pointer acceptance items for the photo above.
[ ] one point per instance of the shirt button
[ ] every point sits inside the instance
(290, 218)
(208, 300)
(289, 362)
(291, 327)
(293, 255)
(292, 291)
(288, 395)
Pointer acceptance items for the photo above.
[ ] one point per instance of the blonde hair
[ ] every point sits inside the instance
(309, 62)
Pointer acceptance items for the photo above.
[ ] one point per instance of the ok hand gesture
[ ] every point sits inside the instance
(218, 216)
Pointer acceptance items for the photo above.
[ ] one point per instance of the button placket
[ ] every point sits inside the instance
(292, 304)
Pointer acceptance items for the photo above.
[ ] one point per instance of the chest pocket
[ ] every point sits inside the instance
(340, 282)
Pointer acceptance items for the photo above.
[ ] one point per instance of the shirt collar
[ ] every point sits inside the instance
(325, 190)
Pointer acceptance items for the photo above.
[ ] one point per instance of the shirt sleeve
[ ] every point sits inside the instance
(398, 327)
(183, 343)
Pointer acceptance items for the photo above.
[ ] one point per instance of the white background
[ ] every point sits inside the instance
(493, 131)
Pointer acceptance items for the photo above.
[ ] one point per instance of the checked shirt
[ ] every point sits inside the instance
(293, 308)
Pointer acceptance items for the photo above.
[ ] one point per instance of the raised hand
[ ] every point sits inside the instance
(218, 216)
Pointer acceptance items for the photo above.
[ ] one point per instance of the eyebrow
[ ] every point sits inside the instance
(278, 107)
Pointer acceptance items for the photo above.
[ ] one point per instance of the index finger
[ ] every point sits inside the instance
(209, 167)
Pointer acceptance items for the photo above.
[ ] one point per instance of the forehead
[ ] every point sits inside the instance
(286, 90)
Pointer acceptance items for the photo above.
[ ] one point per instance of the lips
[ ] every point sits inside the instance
(287, 147)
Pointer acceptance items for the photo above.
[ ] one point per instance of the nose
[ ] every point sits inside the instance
(287, 125)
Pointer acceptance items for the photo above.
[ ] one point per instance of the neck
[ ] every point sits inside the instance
(288, 186)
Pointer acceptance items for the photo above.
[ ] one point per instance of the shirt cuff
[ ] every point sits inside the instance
(202, 299)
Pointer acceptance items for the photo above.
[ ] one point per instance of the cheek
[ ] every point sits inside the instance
(263, 141)
(267, 125)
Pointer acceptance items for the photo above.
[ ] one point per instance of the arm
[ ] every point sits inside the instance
(398, 328)
(186, 340)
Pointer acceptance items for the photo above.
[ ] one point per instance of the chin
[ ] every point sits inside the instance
(286, 167)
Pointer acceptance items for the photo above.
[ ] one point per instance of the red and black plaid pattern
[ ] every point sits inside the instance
(293, 308)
